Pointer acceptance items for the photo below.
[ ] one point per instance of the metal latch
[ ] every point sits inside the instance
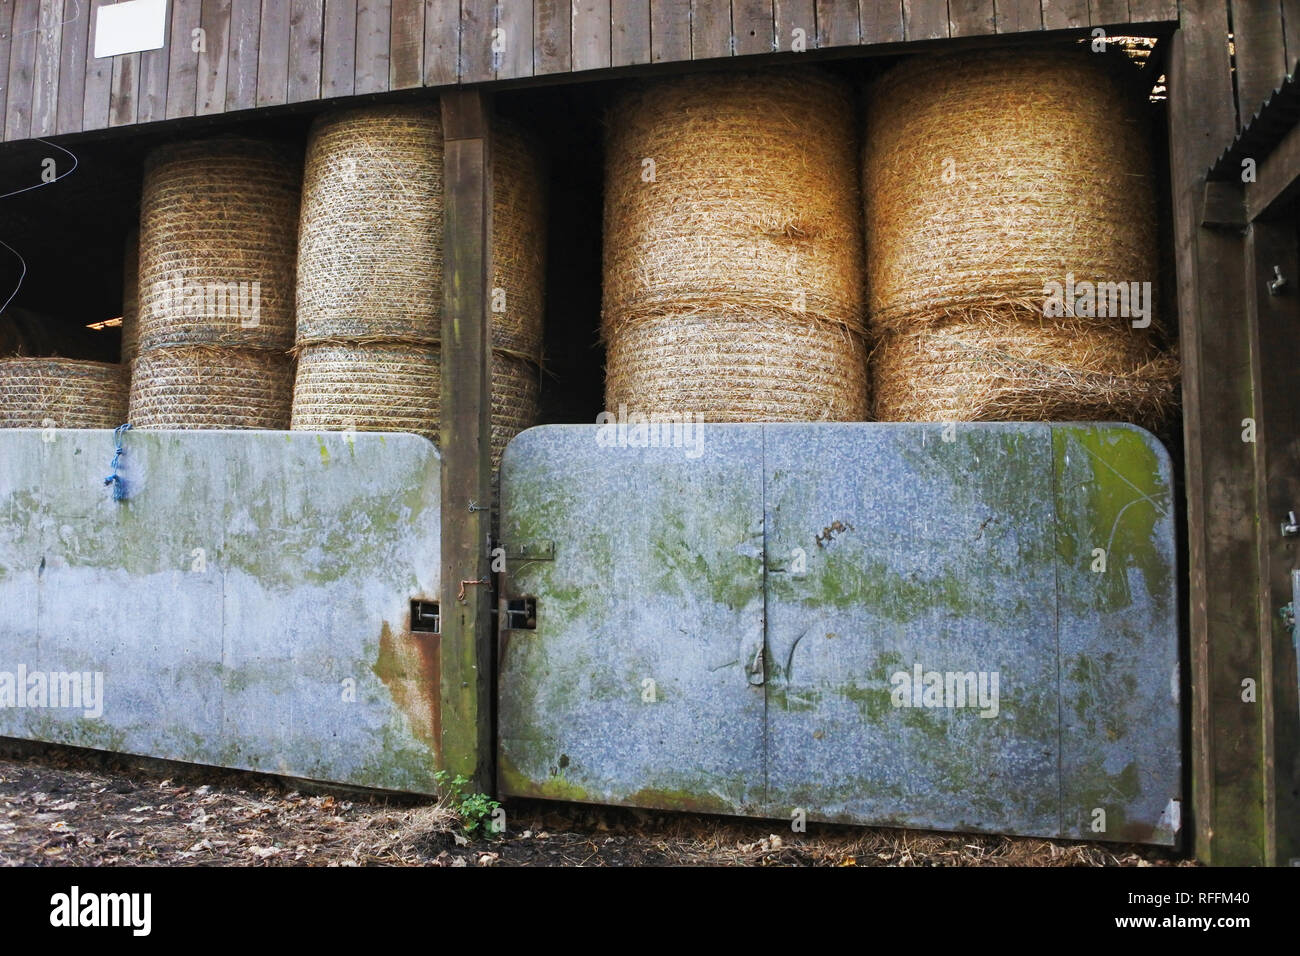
(1290, 527)
(531, 551)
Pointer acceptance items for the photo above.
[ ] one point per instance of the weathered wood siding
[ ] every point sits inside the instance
(259, 53)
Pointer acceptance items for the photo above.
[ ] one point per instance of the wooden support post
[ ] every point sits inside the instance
(1275, 346)
(1227, 735)
(465, 439)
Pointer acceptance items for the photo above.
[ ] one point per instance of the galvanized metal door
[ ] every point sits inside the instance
(641, 683)
(960, 627)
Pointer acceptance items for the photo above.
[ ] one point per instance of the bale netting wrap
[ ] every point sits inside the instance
(211, 387)
(518, 242)
(396, 387)
(370, 241)
(733, 249)
(61, 393)
(375, 386)
(218, 240)
(989, 180)
(131, 298)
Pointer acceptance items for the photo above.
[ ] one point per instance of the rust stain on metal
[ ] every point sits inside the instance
(831, 530)
(410, 665)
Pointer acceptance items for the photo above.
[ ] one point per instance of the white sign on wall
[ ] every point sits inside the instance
(130, 27)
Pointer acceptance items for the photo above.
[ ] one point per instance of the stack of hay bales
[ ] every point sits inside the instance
(733, 250)
(218, 232)
(370, 276)
(986, 177)
(61, 393)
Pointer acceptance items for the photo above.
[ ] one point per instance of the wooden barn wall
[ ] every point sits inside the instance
(261, 53)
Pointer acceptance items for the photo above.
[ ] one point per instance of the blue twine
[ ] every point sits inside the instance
(119, 486)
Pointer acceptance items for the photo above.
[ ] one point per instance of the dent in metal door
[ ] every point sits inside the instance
(912, 625)
(642, 682)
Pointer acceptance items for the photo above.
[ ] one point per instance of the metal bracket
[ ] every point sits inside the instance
(1277, 283)
(475, 506)
(1287, 614)
(1290, 527)
(531, 551)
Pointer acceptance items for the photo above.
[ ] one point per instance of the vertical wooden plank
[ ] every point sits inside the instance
(151, 104)
(670, 30)
(126, 81)
(753, 23)
(515, 38)
(837, 23)
(971, 17)
(99, 80)
(1018, 16)
(22, 66)
(927, 19)
(797, 19)
(465, 439)
(477, 21)
(306, 32)
(406, 45)
(1108, 12)
(1154, 11)
(711, 29)
(591, 41)
(339, 57)
(1065, 14)
(273, 54)
(183, 60)
(6, 38)
(1260, 61)
(881, 20)
(1290, 32)
(441, 42)
(629, 37)
(214, 17)
(552, 37)
(72, 64)
(1223, 574)
(45, 73)
(1274, 320)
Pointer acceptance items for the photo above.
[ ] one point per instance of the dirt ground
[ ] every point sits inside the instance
(61, 806)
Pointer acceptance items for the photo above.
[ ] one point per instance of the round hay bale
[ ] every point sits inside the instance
(733, 249)
(218, 239)
(377, 386)
(370, 243)
(211, 387)
(988, 174)
(396, 387)
(131, 299)
(61, 393)
(516, 397)
(519, 241)
(738, 366)
(990, 370)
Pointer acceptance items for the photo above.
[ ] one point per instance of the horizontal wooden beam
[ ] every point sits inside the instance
(1277, 180)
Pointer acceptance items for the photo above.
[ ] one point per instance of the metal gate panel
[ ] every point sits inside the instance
(1118, 613)
(248, 604)
(640, 684)
(912, 625)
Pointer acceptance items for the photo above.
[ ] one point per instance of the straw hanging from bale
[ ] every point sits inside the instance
(733, 249)
(986, 177)
(219, 226)
(211, 387)
(61, 393)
